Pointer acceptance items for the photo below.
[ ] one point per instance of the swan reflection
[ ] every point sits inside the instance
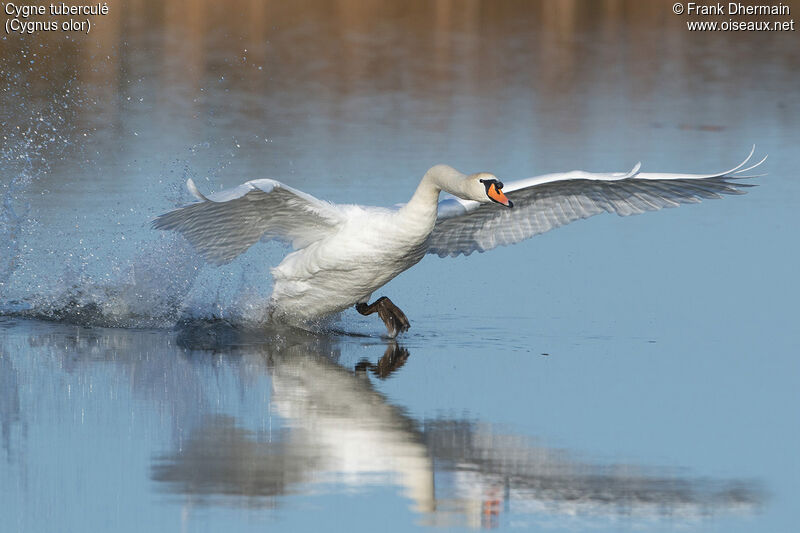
(237, 421)
(338, 432)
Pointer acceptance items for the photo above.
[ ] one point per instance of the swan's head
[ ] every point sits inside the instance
(481, 187)
(484, 188)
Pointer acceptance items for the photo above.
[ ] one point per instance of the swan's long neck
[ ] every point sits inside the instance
(426, 198)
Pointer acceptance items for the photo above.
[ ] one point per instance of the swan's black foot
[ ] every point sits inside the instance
(395, 320)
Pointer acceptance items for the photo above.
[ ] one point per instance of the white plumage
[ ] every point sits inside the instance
(343, 253)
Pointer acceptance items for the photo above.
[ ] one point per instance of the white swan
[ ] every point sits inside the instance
(343, 253)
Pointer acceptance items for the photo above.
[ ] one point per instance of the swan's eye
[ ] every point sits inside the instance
(491, 183)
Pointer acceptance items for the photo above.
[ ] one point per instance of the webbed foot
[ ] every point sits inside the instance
(394, 319)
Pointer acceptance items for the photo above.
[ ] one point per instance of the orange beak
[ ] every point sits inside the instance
(498, 196)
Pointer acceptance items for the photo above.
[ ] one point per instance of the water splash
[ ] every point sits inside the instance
(26, 150)
(101, 265)
(164, 283)
(84, 253)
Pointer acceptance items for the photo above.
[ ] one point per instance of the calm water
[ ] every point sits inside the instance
(616, 374)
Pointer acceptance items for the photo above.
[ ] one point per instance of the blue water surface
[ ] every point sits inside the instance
(616, 374)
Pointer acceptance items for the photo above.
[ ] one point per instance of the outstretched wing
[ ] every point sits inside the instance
(225, 224)
(546, 202)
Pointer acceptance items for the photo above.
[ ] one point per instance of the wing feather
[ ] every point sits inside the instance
(223, 225)
(546, 202)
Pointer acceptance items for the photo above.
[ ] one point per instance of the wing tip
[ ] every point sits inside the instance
(194, 190)
(738, 169)
(751, 167)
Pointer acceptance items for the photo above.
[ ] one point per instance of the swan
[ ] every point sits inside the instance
(344, 253)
